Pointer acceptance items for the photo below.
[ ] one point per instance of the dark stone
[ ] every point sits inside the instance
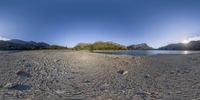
(178, 71)
(20, 86)
(147, 76)
(172, 72)
(24, 74)
(120, 71)
(87, 81)
(27, 65)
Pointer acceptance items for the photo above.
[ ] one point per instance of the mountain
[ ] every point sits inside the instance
(142, 46)
(83, 46)
(178, 46)
(17, 41)
(100, 45)
(16, 44)
(193, 45)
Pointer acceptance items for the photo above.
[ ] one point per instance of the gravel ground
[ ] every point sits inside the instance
(74, 75)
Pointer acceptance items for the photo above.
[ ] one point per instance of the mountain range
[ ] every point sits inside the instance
(193, 45)
(15, 44)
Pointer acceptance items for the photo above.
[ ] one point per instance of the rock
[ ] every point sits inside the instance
(178, 71)
(27, 65)
(126, 63)
(19, 86)
(56, 60)
(123, 72)
(87, 81)
(172, 72)
(42, 72)
(60, 91)
(105, 85)
(143, 93)
(147, 76)
(1, 86)
(8, 85)
(24, 74)
(154, 94)
(169, 93)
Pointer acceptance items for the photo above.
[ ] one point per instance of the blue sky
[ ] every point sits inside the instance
(68, 22)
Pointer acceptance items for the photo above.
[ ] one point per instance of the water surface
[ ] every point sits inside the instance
(149, 52)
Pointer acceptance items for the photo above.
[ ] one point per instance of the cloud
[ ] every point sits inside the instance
(192, 38)
(4, 38)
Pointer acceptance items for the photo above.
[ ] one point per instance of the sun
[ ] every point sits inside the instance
(186, 41)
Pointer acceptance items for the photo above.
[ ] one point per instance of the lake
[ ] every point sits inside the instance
(149, 52)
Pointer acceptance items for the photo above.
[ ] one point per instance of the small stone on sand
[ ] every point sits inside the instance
(123, 72)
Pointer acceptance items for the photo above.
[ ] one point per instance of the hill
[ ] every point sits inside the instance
(16, 44)
(142, 46)
(193, 45)
(100, 46)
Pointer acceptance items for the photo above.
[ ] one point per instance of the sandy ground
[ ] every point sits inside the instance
(65, 75)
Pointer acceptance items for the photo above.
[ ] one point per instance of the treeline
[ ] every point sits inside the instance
(100, 46)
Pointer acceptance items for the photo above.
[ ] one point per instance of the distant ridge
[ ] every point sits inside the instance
(142, 46)
(17, 41)
(15, 44)
(193, 45)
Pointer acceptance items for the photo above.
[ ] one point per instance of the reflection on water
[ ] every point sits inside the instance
(149, 52)
(185, 52)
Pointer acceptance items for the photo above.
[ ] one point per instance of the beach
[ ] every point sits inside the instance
(81, 75)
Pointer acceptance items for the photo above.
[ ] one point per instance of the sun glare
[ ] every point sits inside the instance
(186, 41)
(189, 39)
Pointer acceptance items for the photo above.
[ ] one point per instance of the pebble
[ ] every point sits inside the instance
(27, 65)
(56, 60)
(105, 85)
(42, 72)
(8, 85)
(24, 74)
(19, 86)
(123, 72)
(87, 81)
(172, 72)
(147, 76)
(143, 93)
(59, 91)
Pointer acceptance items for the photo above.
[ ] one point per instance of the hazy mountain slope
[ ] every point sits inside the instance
(193, 45)
(142, 46)
(22, 45)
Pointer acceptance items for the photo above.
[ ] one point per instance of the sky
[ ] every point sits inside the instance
(68, 22)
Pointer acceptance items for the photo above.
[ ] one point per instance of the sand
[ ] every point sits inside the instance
(77, 75)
